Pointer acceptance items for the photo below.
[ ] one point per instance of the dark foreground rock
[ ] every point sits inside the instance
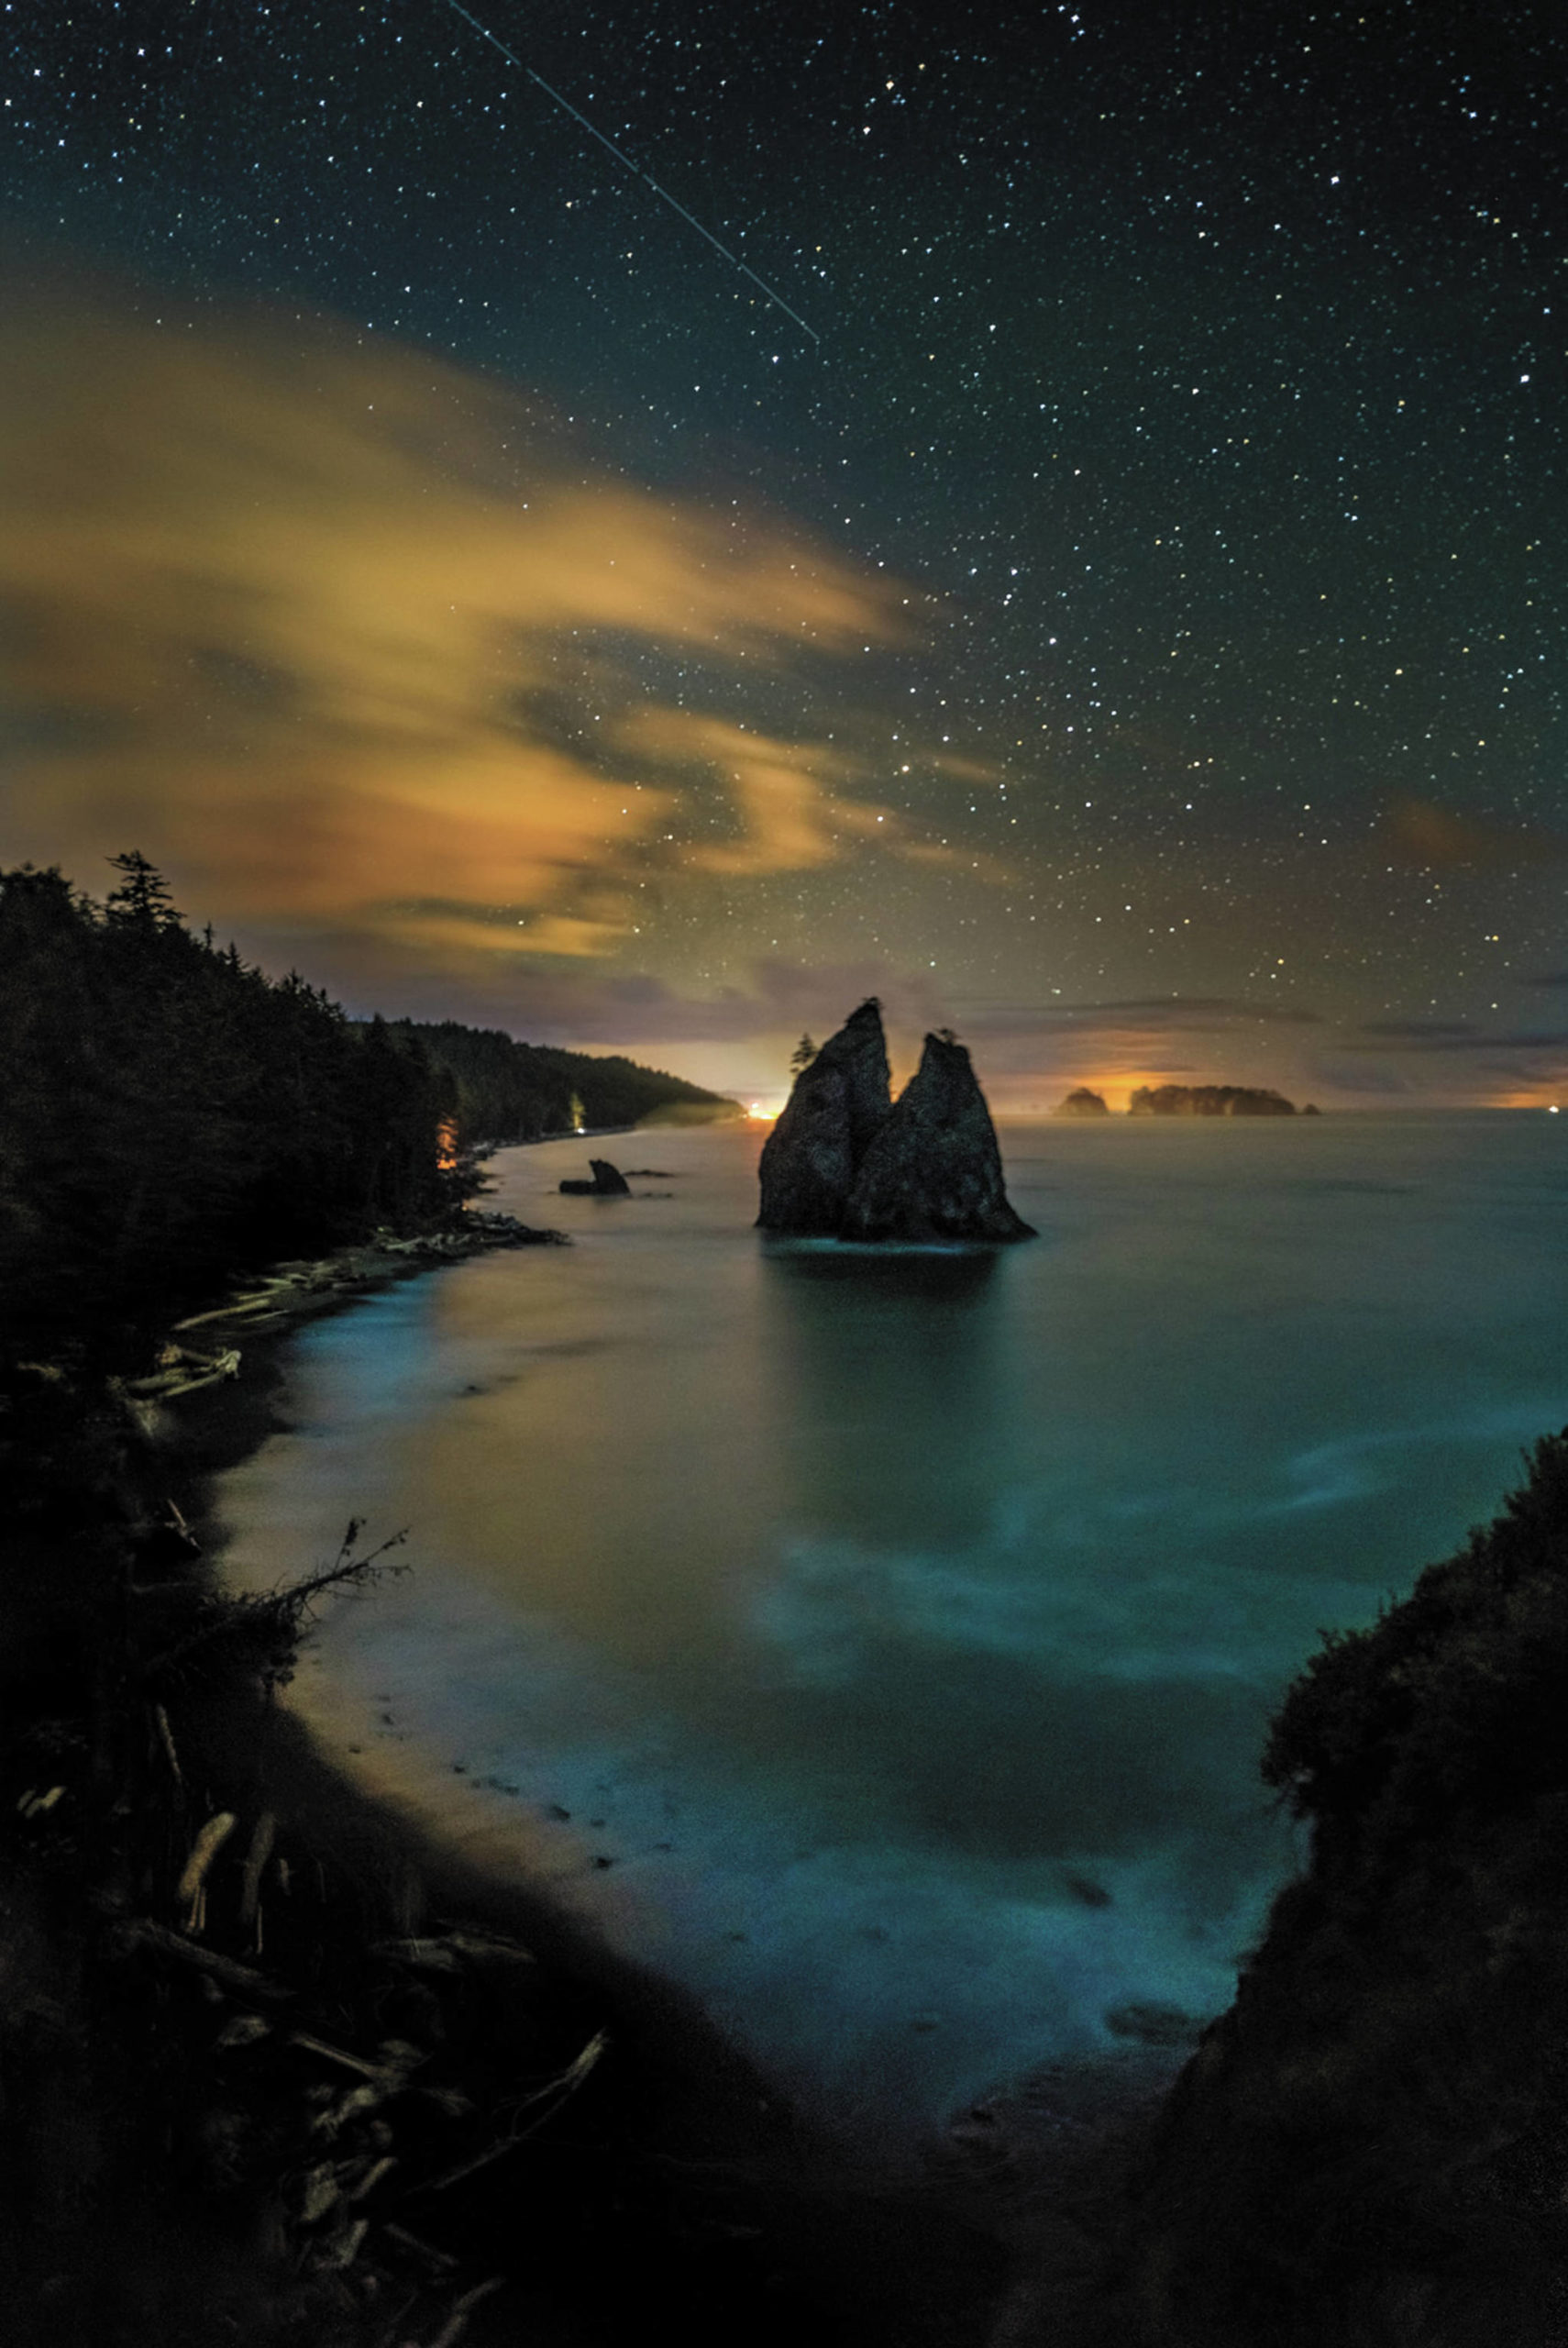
(934, 1170)
(608, 1183)
(811, 1158)
(1368, 2150)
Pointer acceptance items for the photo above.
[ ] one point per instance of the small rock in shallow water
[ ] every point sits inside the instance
(608, 1183)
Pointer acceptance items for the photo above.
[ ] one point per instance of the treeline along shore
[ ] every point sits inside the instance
(268, 2072)
(172, 1116)
(270, 2075)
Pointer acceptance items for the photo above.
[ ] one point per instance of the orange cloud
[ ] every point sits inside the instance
(1424, 834)
(779, 809)
(784, 806)
(283, 601)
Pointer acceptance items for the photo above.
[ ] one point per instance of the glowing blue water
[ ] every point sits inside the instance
(904, 1628)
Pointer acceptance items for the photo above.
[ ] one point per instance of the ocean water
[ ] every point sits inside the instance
(903, 1628)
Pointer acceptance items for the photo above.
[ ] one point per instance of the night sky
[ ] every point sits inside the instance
(1123, 621)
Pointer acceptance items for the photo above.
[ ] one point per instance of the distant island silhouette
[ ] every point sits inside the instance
(1188, 1101)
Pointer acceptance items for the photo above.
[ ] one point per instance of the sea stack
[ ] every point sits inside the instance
(811, 1158)
(608, 1183)
(934, 1170)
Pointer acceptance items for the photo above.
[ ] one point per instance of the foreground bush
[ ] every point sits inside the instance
(1371, 2149)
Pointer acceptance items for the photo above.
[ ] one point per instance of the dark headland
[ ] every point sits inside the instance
(846, 1161)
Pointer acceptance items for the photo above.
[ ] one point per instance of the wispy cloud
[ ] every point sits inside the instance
(1419, 1035)
(1449, 1036)
(287, 605)
(1136, 1016)
(1419, 832)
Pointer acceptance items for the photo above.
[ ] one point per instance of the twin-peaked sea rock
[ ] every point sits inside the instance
(846, 1161)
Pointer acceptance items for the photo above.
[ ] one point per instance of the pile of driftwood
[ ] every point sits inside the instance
(291, 1292)
(272, 2044)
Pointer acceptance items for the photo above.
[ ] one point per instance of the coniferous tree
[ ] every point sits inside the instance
(171, 1116)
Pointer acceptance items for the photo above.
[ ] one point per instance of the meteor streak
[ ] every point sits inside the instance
(636, 169)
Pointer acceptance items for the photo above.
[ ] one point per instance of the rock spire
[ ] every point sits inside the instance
(812, 1156)
(934, 1170)
(844, 1161)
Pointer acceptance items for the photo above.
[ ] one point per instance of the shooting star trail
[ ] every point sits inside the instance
(636, 169)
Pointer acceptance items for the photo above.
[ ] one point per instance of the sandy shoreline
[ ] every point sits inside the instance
(710, 2114)
(159, 2179)
(929, 2256)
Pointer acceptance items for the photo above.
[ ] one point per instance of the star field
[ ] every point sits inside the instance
(1187, 407)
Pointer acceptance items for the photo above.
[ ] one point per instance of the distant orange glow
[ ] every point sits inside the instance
(1116, 1091)
(1548, 1093)
(447, 1145)
(1431, 835)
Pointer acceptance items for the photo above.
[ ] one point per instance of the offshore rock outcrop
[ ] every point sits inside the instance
(845, 1162)
(934, 1170)
(811, 1158)
(1210, 1101)
(1082, 1102)
(608, 1183)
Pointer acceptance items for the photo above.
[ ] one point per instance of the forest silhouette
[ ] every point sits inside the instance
(172, 1116)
